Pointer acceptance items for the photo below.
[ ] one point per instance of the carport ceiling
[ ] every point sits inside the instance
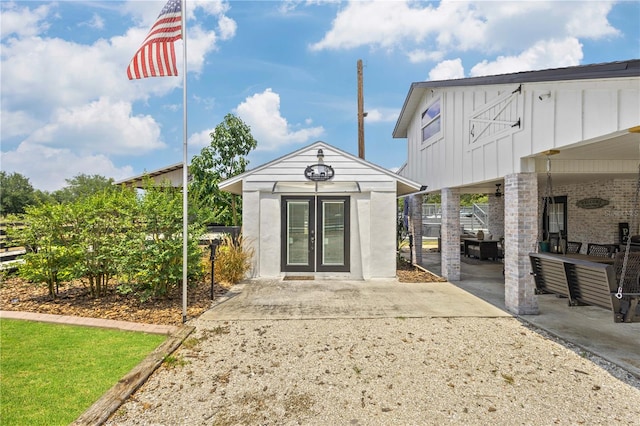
(625, 146)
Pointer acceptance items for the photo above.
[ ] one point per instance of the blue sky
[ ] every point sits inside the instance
(287, 68)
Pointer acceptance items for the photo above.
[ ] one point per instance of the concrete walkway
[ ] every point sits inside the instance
(91, 322)
(325, 299)
(589, 327)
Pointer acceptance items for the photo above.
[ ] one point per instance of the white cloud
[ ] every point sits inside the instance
(201, 42)
(272, 131)
(96, 22)
(102, 126)
(545, 54)
(201, 139)
(447, 70)
(23, 22)
(17, 123)
(287, 6)
(377, 23)
(458, 26)
(47, 168)
(210, 7)
(596, 16)
(417, 56)
(227, 27)
(382, 115)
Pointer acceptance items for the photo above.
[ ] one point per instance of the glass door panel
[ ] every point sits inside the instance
(332, 233)
(298, 234)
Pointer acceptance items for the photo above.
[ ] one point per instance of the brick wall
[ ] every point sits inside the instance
(496, 216)
(598, 225)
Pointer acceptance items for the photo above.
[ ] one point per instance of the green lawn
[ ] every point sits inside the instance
(50, 374)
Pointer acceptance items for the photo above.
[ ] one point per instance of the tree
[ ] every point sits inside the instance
(224, 158)
(16, 193)
(83, 185)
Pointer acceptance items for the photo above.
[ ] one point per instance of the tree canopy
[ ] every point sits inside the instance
(16, 193)
(81, 186)
(225, 157)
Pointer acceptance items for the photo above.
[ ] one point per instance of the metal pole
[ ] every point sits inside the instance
(361, 113)
(212, 257)
(185, 159)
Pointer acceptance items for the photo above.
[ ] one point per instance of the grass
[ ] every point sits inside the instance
(52, 373)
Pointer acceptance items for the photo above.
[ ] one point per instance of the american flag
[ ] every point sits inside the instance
(157, 57)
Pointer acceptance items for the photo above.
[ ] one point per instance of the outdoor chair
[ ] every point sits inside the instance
(573, 247)
(602, 250)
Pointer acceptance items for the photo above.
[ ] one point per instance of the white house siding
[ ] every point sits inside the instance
(575, 112)
(383, 234)
(251, 228)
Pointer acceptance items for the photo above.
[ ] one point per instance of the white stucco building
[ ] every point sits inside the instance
(468, 135)
(320, 212)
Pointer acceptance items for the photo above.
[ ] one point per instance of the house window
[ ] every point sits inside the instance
(431, 121)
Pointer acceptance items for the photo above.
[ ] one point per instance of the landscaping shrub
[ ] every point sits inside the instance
(152, 261)
(232, 262)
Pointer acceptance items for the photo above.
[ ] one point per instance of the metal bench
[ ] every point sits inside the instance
(584, 283)
(549, 274)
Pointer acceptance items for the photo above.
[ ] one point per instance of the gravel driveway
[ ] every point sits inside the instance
(380, 371)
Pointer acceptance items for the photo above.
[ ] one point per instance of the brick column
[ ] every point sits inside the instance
(521, 229)
(496, 216)
(415, 227)
(450, 234)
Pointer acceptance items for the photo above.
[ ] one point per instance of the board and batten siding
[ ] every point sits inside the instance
(570, 113)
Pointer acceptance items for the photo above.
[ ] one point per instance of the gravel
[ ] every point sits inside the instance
(427, 371)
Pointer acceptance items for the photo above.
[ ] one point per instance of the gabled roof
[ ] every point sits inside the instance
(404, 185)
(161, 173)
(630, 68)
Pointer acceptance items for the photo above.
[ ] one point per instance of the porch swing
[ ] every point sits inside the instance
(627, 268)
(615, 287)
(558, 245)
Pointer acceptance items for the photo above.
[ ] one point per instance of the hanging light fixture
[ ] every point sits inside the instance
(498, 193)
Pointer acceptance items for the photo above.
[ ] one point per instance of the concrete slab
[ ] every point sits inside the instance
(324, 299)
(589, 327)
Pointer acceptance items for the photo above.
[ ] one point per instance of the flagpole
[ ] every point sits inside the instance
(185, 171)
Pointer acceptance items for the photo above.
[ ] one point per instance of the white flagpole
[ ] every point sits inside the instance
(185, 172)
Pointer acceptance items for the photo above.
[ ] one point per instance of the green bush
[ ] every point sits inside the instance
(151, 262)
(110, 236)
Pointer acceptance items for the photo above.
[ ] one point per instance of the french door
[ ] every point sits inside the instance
(315, 234)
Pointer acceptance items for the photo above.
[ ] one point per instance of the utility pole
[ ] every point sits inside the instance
(361, 113)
